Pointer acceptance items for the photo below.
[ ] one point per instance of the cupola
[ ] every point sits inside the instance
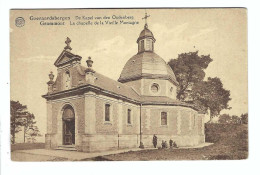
(147, 72)
(146, 39)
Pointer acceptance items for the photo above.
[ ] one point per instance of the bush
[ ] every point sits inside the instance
(244, 118)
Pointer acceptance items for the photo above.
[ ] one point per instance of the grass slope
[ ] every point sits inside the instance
(230, 143)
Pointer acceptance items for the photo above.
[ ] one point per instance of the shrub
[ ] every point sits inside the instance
(244, 118)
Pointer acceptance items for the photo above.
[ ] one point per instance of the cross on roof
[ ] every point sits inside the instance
(145, 17)
(68, 41)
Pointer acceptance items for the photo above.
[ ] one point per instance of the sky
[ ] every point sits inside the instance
(222, 33)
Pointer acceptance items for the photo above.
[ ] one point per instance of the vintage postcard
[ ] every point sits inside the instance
(128, 84)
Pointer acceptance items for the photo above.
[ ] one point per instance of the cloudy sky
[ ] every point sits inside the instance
(222, 33)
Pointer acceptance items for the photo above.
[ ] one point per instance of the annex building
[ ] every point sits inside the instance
(89, 112)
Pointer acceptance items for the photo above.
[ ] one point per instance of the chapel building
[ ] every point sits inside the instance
(89, 112)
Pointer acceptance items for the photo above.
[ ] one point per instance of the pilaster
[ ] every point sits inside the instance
(179, 123)
(190, 123)
(90, 113)
(120, 117)
(49, 117)
(202, 124)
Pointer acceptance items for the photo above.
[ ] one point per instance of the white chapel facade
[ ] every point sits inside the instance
(90, 112)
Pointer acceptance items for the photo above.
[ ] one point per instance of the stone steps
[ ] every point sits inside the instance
(66, 147)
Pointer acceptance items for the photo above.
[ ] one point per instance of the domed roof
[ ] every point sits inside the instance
(146, 65)
(145, 33)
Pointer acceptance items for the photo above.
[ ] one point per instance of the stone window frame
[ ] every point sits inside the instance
(110, 113)
(167, 119)
(150, 88)
(131, 116)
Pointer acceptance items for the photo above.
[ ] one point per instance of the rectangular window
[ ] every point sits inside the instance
(129, 116)
(163, 118)
(107, 112)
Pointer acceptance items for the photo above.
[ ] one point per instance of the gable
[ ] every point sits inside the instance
(65, 58)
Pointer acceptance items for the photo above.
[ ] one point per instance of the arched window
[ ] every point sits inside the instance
(163, 118)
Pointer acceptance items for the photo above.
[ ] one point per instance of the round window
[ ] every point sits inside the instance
(155, 88)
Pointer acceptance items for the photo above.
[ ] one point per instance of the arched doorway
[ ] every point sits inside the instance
(68, 123)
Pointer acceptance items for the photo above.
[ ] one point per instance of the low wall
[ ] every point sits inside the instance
(26, 146)
(50, 141)
(99, 143)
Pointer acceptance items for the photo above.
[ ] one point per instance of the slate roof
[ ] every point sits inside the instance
(146, 64)
(145, 33)
(163, 100)
(111, 85)
(116, 87)
(120, 90)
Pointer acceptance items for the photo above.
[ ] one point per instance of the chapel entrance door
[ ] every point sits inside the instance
(68, 120)
(69, 132)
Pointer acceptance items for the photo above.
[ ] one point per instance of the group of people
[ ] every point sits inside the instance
(164, 143)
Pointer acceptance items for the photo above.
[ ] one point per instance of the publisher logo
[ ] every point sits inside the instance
(19, 22)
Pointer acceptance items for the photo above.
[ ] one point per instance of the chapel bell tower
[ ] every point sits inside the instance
(146, 39)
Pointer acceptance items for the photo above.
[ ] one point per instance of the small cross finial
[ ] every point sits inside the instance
(145, 17)
(68, 41)
(89, 62)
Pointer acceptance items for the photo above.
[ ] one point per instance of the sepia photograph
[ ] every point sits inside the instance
(129, 84)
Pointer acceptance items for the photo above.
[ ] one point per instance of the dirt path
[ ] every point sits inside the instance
(62, 155)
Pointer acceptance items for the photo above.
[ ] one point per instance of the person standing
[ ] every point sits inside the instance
(154, 141)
